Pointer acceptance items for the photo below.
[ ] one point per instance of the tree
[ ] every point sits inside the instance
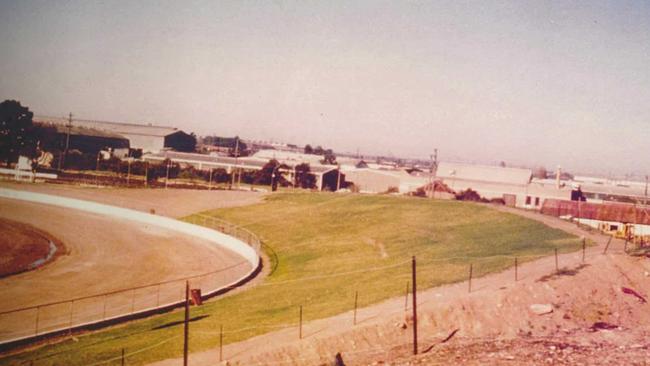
(319, 150)
(270, 174)
(17, 136)
(304, 178)
(328, 157)
(309, 149)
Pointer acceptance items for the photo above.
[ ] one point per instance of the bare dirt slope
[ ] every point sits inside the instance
(24, 247)
(166, 202)
(494, 324)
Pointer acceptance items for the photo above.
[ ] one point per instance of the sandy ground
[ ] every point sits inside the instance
(495, 323)
(106, 254)
(167, 202)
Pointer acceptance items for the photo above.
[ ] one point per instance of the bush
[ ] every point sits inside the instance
(392, 190)
(470, 195)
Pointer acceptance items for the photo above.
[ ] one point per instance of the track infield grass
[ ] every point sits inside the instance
(324, 247)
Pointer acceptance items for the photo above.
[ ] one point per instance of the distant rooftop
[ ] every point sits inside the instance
(484, 173)
(123, 128)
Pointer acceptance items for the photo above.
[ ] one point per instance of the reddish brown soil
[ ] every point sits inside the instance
(21, 245)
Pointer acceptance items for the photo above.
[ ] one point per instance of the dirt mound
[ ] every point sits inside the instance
(24, 247)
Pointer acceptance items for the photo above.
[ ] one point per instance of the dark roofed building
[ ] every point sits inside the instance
(87, 140)
(149, 138)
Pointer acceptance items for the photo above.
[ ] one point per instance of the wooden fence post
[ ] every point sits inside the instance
(221, 343)
(469, 288)
(415, 312)
(516, 269)
(300, 326)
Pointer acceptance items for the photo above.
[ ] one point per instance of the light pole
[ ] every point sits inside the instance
(63, 157)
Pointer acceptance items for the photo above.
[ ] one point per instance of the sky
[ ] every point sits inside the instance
(525, 82)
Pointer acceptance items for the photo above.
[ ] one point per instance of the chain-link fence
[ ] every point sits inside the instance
(110, 307)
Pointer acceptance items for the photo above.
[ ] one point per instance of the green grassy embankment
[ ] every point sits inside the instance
(311, 237)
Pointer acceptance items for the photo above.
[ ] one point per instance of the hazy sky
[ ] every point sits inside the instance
(524, 82)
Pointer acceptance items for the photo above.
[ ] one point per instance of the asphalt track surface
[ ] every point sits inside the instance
(104, 255)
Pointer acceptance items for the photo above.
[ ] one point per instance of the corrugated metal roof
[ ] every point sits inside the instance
(246, 162)
(617, 212)
(82, 131)
(484, 173)
(115, 127)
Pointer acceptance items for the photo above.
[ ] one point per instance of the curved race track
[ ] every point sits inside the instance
(105, 254)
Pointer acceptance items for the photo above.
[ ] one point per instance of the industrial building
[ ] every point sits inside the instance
(148, 138)
(86, 140)
(368, 180)
(327, 176)
(514, 185)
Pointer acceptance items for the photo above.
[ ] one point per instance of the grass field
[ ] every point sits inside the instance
(324, 247)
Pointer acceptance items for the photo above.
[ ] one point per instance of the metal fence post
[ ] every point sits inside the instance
(469, 289)
(132, 301)
(515, 269)
(300, 326)
(158, 296)
(104, 309)
(221, 343)
(38, 310)
(71, 313)
(186, 329)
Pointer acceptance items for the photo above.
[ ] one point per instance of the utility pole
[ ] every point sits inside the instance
(236, 168)
(67, 142)
(645, 196)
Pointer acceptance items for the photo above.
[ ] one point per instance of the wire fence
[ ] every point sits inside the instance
(353, 313)
(109, 307)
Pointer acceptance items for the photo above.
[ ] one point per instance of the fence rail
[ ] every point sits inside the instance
(18, 326)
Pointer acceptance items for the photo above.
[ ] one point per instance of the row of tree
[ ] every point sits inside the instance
(328, 154)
